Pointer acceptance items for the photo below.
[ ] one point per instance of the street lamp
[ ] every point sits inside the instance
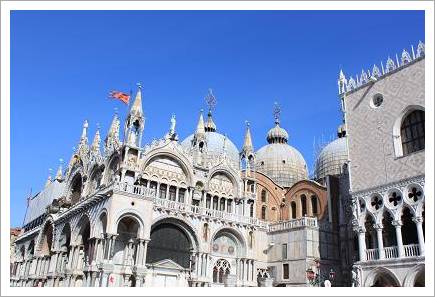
(316, 278)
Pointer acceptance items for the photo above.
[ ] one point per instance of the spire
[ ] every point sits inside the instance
(136, 108)
(135, 121)
(112, 138)
(200, 128)
(48, 182)
(59, 174)
(96, 143)
(247, 144)
(342, 82)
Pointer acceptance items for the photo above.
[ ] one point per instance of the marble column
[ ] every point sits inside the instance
(398, 226)
(378, 228)
(419, 224)
(362, 243)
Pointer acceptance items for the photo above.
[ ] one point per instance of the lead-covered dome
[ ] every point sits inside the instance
(331, 159)
(280, 161)
(217, 145)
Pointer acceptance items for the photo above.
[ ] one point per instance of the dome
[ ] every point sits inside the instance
(215, 146)
(282, 163)
(277, 133)
(331, 159)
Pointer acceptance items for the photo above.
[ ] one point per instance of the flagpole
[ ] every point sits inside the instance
(28, 201)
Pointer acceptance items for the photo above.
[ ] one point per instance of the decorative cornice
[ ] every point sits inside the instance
(346, 86)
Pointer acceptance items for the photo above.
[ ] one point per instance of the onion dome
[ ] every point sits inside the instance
(332, 157)
(277, 134)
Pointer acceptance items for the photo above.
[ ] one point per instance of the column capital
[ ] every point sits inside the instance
(359, 229)
(378, 226)
(397, 223)
(417, 220)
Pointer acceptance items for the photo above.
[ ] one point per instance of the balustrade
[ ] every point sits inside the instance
(372, 254)
(411, 250)
(292, 224)
(391, 252)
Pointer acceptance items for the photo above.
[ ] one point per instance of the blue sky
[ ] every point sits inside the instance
(64, 63)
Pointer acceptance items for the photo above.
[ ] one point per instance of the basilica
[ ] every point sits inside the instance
(200, 212)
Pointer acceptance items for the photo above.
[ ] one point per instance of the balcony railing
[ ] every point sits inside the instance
(372, 254)
(411, 250)
(201, 211)
(188, 208)
(392, 252)
(292, 224)
(135, 189)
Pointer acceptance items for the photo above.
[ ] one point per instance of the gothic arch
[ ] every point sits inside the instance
(397, 138)
(101, 224)
(79, 228)
(46, 237)
(383, 273)
(412, 275)
(113, 160)
(75, 187)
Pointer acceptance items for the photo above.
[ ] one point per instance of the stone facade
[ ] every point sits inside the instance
(384, 116)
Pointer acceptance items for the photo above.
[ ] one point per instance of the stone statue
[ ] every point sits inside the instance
(173, 123)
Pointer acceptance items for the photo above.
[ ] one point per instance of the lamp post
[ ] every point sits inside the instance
(315, 278)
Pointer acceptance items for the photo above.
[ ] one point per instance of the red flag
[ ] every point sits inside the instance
(120, 96)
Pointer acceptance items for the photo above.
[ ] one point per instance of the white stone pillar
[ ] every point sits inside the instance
(398, 226)
(381, 251)
(362, 243)
(419, 224)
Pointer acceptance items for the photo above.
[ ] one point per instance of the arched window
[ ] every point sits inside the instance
(220, 270)
(172, 193)
(304, 204)
(293, 209)
(314, 206)
(181, 194)
(263, 212)
(412, 132)
(215, 202)
(222, 205)
(162, 191)
(263, 196)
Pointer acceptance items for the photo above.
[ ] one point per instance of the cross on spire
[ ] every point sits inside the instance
(276, 112)
(210, 99)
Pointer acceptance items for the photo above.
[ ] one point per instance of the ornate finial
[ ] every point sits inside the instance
(116, 110)
(276, 112)
(139, 85)
(59, 175)
(49, 177)
(84, 131)
(247, 123)
(420, 49)
(211, 100)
